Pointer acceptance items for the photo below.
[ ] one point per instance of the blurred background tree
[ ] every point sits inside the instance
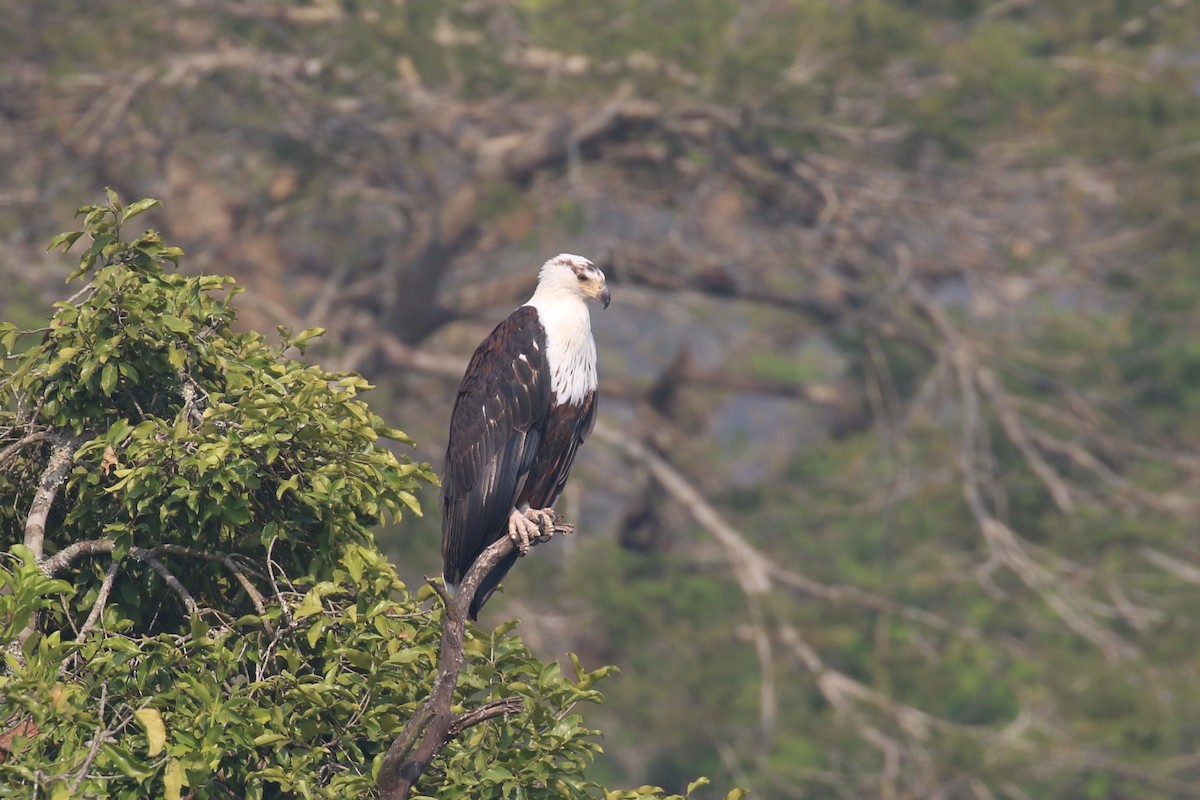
(893, 490)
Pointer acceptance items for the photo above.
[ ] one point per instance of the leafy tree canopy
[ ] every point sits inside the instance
(191, 601)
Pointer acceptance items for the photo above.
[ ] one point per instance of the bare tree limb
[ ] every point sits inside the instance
(88, 547)
(1075, 610)
(430, 728)
(1181, 569)
(59, 464)
(72, 552)
(750, 567)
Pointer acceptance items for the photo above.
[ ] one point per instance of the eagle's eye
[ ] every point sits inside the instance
(581, 277)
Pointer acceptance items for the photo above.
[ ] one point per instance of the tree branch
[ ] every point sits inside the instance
(410, 753)
(61, 459)
(101, 601)
(189, 602)
(496, 708)
(89, 547)
(16, 447)
(73, 552)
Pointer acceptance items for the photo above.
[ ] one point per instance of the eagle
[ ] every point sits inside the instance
(525, 404)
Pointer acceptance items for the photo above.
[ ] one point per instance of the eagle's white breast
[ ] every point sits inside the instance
(570, 348)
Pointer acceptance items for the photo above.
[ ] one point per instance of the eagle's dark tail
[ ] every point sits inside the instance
(490, 582)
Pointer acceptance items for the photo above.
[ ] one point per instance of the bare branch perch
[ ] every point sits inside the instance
(411, 752)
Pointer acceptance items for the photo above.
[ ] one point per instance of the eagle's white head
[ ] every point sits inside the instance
(568, 275)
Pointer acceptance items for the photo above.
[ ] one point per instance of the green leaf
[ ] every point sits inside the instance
(352, 561)
(497, 774)
(395, 434)
(303, 336)
(118, 431)
(124, 761)
(410, 500)
(61, 358)
(198, 627)
(270, 738)
(309, 606)
(174, 324)
(156, 731)
(8, 336)
(314, 633)
(173, 780)
(64, 240)
(108, 378)
(133, 209)
(176, 357)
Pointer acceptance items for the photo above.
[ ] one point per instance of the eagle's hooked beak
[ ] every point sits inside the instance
(604, 296)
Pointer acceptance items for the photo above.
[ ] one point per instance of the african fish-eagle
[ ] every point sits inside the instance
(526, 403)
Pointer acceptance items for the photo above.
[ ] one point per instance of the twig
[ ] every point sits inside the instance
(840, 594)
(289, 623)
(496, 708)
(69, 554)
(255, 596)
(1171, 564)
(189, 602)
(1019, 435)
(16, 447)
(226, 560)
(102, 735)
(101, 600)
(283, 606)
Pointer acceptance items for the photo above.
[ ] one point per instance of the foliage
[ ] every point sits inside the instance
(235, 710)
(255, 643)
(1036, 161)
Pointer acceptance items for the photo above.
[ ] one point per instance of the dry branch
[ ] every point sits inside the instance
(434, 724)
(975, 384)
(75, 551)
